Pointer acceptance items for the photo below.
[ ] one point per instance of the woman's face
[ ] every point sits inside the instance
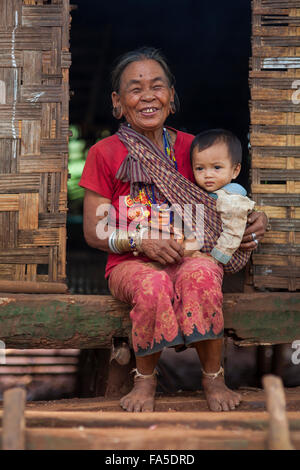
(145, 95)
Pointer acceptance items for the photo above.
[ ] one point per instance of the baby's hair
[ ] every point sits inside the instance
(210, 137)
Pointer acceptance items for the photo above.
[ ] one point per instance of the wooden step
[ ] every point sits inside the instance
(160, 431)
(144, 439)
(181, 421)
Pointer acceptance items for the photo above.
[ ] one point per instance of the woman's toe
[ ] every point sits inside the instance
(148, 406)
(214, 405)
(238, 400)
(232, 404)
(225, 406)
(130, 406)
(137, 407)
(124, 403)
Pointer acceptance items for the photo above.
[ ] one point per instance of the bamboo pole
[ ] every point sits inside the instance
(278, 436)
(13, 434)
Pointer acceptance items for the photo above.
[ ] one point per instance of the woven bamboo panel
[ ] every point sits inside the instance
(34, 123)
(275, 139)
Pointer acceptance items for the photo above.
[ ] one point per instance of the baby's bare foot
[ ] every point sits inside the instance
(218, 396)
(141, 397)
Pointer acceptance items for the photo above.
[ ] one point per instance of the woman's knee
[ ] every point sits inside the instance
(153, 286)
(199, 274)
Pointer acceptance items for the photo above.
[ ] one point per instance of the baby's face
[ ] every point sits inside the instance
(213, 167)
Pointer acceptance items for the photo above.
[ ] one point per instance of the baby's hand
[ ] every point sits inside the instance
(199, 254)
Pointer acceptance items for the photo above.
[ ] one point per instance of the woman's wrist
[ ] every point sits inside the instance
(267, 222)
(121, 241)
(118, 242)
(136, 239)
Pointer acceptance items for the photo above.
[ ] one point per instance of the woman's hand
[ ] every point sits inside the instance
(258, 222)
(163, 251)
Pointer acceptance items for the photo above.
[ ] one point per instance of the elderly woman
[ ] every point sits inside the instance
(176, 299)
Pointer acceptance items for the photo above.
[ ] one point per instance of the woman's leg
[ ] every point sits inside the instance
(218, 396)
(150, 291)
(141, 397)
(198, 306)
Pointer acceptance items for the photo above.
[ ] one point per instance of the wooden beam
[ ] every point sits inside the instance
(115, 439)
(251, 420)
(89, 321)
(262, 318)
(61, 321)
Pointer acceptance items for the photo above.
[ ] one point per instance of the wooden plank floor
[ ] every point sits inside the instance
(180, 421)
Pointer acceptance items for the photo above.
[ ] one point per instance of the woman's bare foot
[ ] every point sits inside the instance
(218, 396)
(141, 397)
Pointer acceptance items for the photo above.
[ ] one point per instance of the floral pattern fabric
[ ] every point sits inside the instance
(174, 305)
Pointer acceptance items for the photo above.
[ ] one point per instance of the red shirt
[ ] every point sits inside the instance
(99, 175)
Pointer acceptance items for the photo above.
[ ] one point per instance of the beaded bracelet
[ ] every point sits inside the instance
(132, 244)
(135, 239)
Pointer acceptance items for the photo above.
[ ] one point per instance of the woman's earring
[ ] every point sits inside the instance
(117, 112)
(173, 107)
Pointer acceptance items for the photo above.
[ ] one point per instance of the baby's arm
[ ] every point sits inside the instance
(234, 209)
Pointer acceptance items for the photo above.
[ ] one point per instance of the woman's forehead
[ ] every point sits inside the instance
(142, 70)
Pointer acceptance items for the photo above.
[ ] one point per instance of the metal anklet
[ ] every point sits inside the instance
(138, 374)
(213, 375)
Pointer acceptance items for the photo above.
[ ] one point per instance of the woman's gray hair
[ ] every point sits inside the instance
(144, 53)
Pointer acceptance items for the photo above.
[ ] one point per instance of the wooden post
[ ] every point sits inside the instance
(100, 375)
(13, 419)
(34, 114)
(278, 437)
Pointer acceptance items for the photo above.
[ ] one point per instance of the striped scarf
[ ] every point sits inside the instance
(146, 164)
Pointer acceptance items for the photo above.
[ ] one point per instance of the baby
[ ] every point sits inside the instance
(216, 157)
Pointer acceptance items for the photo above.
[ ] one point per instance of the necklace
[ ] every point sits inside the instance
(150, 200)
(169, 152)
(164, 206)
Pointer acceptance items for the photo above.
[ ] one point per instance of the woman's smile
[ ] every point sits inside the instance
(149, 111)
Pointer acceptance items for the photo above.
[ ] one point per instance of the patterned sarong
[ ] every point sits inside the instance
(174, 305)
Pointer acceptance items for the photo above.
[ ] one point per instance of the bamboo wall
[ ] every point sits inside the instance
(275, 139)
(34, 128)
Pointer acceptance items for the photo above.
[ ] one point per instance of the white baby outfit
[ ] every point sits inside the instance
(233, 206)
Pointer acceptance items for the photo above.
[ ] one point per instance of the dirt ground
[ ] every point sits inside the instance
(178, 372)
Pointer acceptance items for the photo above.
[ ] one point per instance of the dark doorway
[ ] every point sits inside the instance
(207, 46)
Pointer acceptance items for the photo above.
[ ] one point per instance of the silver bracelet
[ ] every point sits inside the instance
(111, 243)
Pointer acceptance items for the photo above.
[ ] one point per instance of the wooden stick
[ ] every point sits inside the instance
(14, 419)
(30, 287)
(278, 437)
